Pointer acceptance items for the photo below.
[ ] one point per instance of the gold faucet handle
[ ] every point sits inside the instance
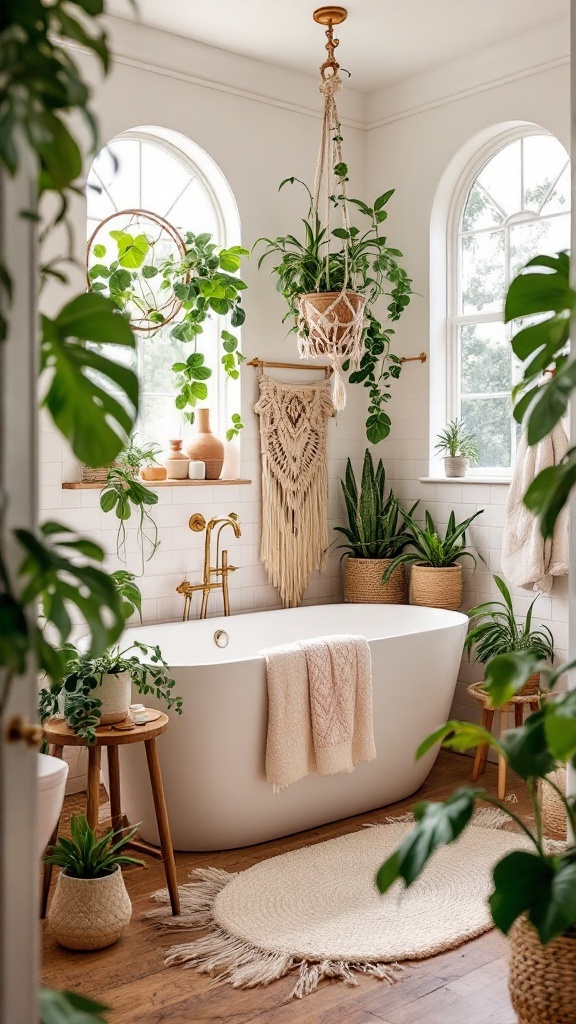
(183, 588)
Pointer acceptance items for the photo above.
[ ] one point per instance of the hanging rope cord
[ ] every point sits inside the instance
(329, 156)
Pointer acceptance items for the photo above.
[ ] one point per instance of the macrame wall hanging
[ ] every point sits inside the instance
(293, 435)
(331, 323)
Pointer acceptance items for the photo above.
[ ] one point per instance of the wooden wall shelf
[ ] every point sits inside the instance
(82, 485)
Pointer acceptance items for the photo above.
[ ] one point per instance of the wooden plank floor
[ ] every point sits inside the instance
(465, 986)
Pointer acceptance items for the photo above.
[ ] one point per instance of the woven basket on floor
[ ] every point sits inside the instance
(89, 913)
(436, 588)
(363, 582)
(542, 979)
(553, 810)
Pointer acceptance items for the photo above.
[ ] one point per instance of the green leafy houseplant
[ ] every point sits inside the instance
(496, 630)
(537, 887)
(69, 1008)
(84, 855)
(317, 264)
(85, 674)
(374, 522)
(457, 442)
(204, 280)
(133, 458)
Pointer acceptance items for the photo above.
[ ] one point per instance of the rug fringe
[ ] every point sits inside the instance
(233, 959)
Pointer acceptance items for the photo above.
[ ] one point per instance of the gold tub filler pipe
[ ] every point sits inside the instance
(221, 569)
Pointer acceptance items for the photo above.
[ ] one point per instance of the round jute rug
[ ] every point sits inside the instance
(318, 909)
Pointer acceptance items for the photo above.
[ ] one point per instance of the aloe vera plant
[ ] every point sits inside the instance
(430, 547)
(373, 520)
(497, 630)
(84, 855)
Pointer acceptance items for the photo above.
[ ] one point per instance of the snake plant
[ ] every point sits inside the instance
(373, 520)
(497, 630)
(431, 548)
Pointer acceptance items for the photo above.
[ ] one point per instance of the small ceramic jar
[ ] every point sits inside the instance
(196, 470)
(176, 462)
(154, 473)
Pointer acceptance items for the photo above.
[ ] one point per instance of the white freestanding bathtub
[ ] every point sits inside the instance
(212, 757)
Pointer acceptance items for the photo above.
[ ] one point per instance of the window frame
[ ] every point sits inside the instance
(454, 318)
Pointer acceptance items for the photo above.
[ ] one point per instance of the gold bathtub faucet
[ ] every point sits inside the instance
(221, 569)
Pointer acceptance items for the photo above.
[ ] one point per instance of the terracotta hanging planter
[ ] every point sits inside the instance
(331, 324)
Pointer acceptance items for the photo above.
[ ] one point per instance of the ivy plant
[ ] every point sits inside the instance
(204, 280)
(318, 263)
(124, 495)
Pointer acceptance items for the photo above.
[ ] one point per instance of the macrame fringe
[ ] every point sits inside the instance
(238, 962)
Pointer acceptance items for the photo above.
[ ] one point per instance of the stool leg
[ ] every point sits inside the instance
(518, 715)
(163, 824)
(535, 705)
(93, 795)
(501, 792)
(482, 751)
(47, 869)
(114, 794)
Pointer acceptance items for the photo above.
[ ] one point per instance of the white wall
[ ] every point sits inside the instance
(260, 124)
(417, 130)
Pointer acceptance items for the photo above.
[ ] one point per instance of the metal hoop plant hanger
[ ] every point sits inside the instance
(172, 306)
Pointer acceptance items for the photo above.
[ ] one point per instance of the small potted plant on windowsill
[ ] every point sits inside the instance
(436, 577)
(496, 630)
(90, 908)
(460, 446)
(97, 691)
(373, 538)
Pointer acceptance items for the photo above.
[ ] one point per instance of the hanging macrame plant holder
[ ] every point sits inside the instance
(331, 323)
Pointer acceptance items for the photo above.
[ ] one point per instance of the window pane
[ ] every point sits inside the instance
(544, 158)
(480, 211)
(163, 179)
(483, 272)
(118, 168)
(159, 420)
(159, 352)
(489, 420)
(486, 363)
(560, 198)
(501, 178)
(194, 211)
(540, 236)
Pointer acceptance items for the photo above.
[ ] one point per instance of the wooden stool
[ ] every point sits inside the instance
(517, 704)
(60, 735)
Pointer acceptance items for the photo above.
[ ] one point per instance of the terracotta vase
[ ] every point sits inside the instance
(205, 447)
(176, 463)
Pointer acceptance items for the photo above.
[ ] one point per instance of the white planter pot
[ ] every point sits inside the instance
(89, 913)
(115, 692)
(456, 466)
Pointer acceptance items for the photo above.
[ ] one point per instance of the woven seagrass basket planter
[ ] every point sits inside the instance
(89, 913)
(336, 314)
(553, 811)
(363, 582)
(436, 587)
(542, 979)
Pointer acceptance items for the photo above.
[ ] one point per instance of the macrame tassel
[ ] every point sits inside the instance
(338, 389)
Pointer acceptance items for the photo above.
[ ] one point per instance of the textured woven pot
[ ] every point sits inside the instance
(115, 692)
(89, 913)
(333, 309)
(532, 685)
(363, 582)
(95, 476)
(436, 588)
(542, 979)
(456, 466)
(553, 810)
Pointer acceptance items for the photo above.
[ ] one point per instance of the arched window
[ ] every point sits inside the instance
(514, 203)
(164, 173)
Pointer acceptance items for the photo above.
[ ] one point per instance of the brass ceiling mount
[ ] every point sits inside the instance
(330, 15)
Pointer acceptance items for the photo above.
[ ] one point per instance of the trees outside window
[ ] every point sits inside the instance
(517, 205)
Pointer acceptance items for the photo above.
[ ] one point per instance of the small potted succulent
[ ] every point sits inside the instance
(90, 908)
(373, 538)
(460, 446)
(97, 691)
(496, 630)
(533, 901)
(436, 577)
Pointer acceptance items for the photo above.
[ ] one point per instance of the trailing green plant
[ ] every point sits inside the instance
(457, 442)
(374, 521)
(535, 882)
(84, 855)
(128, 591)
(124, 495)
(430, 547)
(204, 280)
(84, 674)
(346, 258)
(496, 630)
(69, 1008)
